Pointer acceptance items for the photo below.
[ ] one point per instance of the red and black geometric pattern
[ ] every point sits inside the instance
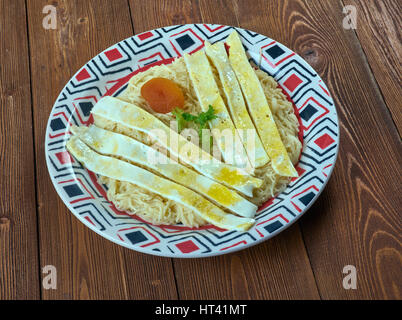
(108, 74)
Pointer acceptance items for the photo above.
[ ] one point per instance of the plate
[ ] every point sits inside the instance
(108, 74)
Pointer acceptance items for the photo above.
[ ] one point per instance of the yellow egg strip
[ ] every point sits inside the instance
(134, 117)
(259, 108)
(123, 171)
(110, 143)
(236, 104)
(207, 92)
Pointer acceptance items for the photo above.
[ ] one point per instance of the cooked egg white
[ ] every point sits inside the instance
(134, 117)
(237, 106)
(123, 171)
(207, 92)
(258, 108)
(110, 143)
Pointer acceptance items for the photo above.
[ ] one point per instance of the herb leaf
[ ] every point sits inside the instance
(201, 119)
(189, 117)
(204, 117)
(181, 122)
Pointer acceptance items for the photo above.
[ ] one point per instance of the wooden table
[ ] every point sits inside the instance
(356, 221)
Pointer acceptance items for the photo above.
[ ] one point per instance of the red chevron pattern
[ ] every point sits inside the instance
(108, 74)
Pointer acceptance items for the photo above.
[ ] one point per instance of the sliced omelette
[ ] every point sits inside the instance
(110, 143)
(237, 106)
(207, 92)
(258, 108)
(123, 171)
(134, 117)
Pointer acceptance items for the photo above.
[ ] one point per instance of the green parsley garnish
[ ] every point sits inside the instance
(200, 120)
(181, 123)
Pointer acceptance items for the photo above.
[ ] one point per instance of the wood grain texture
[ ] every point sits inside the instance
(379, 25)
(356, 220)
(152, 14)
(263, 272)
(19, 276)
(276, 269)
(88, 266)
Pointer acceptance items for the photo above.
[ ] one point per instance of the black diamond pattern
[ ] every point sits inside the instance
(275, 51)
(185, 41)
(73, 190)
(86, 108)
(57, 124)
(308, 112)
(273, 226)
(136, 237)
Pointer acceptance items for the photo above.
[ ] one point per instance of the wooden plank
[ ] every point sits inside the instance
(19, 275)
(88, 266)
(276, 269)
(379, 31)
(219, 12)
(266, 271)
(156, 13)
(356, 219)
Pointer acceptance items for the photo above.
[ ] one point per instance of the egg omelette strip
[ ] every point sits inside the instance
(207, 92)
(115, 144)
(134, 117)
(237, 106)
(123, 171)
(259, 108)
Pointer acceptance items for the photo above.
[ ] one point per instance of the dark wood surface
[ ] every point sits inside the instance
(356, 221)
(19, 267)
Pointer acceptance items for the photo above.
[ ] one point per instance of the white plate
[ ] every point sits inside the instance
(108, 74)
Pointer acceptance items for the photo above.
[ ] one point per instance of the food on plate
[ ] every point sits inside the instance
(207, 91)
(122, 170)
(158, 146)
(259, 108)
(123, 147)
(234, 99)
(201, 119)
(130, 117)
